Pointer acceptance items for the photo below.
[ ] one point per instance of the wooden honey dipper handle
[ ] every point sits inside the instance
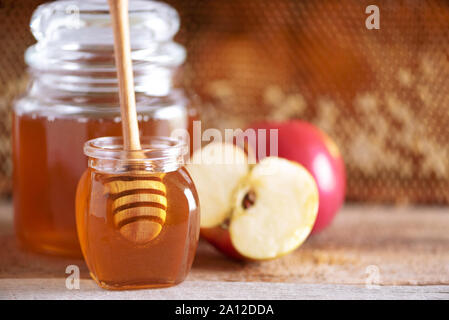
(139, 201)
(123, 62)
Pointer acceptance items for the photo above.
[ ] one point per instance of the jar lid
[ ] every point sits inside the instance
(75, 23)
(75, 38)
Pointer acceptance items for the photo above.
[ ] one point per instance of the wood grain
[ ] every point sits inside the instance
(123, 62)
(409, 247)
(206, 290)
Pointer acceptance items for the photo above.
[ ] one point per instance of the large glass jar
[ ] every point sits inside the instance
(73, 97)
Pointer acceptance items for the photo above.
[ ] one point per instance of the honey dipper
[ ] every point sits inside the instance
(139, 200)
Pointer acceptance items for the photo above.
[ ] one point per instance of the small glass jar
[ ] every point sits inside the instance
(137, 214)
(73, 97)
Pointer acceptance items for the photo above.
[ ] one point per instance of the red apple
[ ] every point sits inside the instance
(220, 238)
(309, 146)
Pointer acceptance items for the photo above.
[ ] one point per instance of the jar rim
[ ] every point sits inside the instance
(158, 148)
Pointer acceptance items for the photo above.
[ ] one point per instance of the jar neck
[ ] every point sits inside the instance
(60, 72)
(158, 154)
(113, 166)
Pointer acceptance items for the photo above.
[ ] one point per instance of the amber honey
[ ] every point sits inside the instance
(106, 215)
(48, 162)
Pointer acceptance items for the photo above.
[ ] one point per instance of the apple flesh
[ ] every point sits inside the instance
(309, 146)
(216, 170)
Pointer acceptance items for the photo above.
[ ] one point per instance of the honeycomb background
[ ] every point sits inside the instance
(382, 95)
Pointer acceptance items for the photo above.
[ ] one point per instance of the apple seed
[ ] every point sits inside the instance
(249, 199)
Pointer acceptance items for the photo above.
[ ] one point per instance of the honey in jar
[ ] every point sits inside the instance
(137, 218)
(73, 97)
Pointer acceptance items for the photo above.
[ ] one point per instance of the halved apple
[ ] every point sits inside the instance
(275, 209)
(270, 211)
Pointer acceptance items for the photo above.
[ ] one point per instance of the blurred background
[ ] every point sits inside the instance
(382, 95)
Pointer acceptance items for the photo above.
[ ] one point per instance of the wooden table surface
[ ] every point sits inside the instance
(369, 252)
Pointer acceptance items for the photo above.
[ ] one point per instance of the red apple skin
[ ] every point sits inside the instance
(220, 238)
(309, 146)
